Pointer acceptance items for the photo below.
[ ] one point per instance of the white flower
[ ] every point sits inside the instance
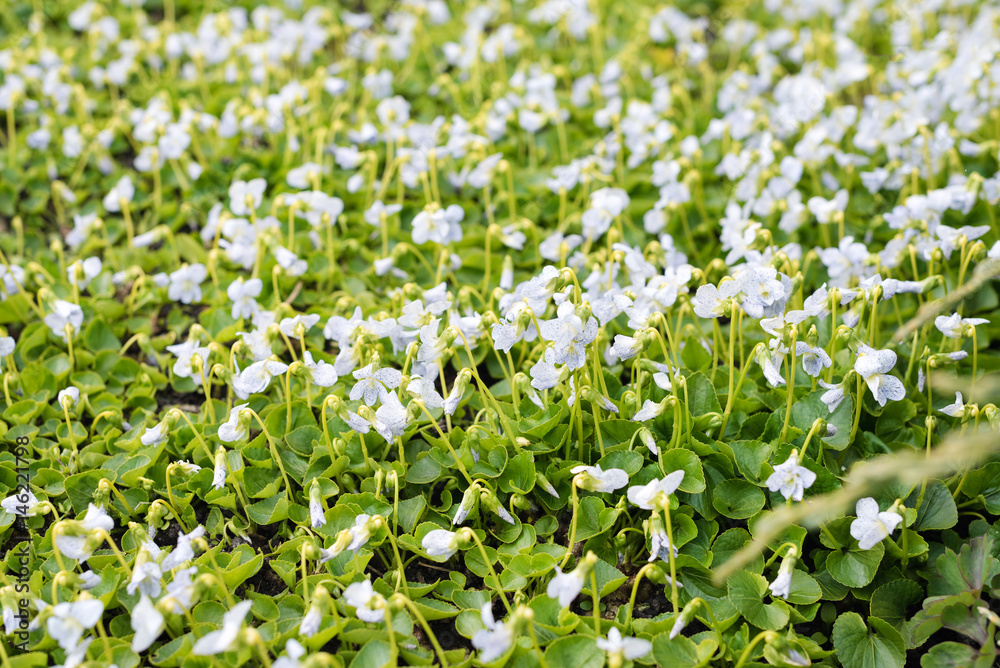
(7, 344)
(791, 479)
(146, 578)
(235, 428)
(183, 552)
(650, 409)
(871, 526)
(16, 506)
(630, 648)
(833, 396)
(374, 383)
(154, 435)
(186, 353)
(565, 586)
(79, 540)
(68, 397)
(782, 584)
(217, 642)
(244, 295)
(626, 347)
(814, 359)
(874, 366)
(596, 479)
(148, 624)
(310, 622)
(953, 326)
(256, 377)
(293, 652)
(303, 177)
(360, 532)
(493, 641)
(185, 283)
(439, 225)
(245, 197)
(122, 191)
(644, 496)
(82, 272)
(64, 313)
(219, 472)
(368, 604)
(69, 621)
(956, 409)
(440, 543)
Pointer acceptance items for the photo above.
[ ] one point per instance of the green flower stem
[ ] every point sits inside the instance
(763, 635)
(447, 441)
(69, 428)
(716, 339)
(482, 551)
(903, 539)
(197, 436)
(833, 337)
(106, 537)
(699, 601)
(274, 452)
(829, 536)
(108, 654)
(534, 639)
(207, 387)
(975, 360)
(671, 559)
(597, 429)
(635, 588)
(305, 576)
(739, 386)
(508, 428)
(777, 552)
(737, 312)
(69, 345)
(817, 423)
(258, 643)
(401, 576)
(859, 397)
(487, 269)
(791, 386)
(572, 526)
(873, 319)
(4, 659)
(426, 627)
(287, 381)
(597, 602)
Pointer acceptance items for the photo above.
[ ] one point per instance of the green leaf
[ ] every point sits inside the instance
(682, 652)
(425, 470)
(746, 592)
(938, 510)
(860, 647)
(519, 474)
(701, 395)
(268, 511)
(738, 499)
(965, 571)
(373, 654)
(750, 456)
(804, 589)
(574, 652)
(958, 655)
(681, 459)
(855, 568)
(891, 601)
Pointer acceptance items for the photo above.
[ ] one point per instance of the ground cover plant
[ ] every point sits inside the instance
(554, 334)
